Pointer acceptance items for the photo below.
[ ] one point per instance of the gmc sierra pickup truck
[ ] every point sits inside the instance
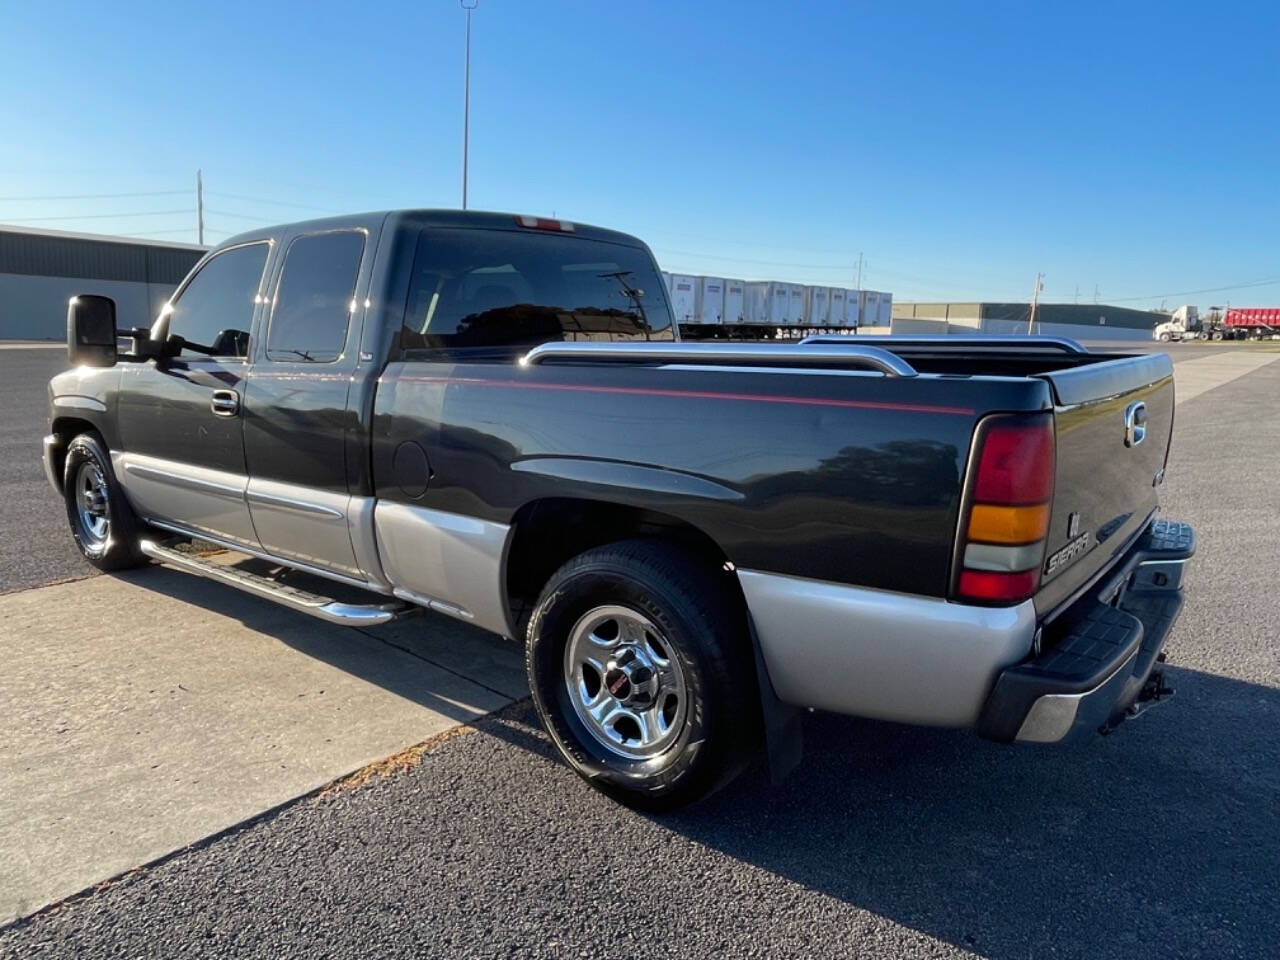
(493, 417)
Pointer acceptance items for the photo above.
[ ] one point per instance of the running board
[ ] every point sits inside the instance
(325, 608)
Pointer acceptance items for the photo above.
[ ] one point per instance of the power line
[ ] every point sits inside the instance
(152, 233)
(97, 196)
(762, 263)
(241, 216)
(1185, 293)
(740, 242)
(277, 203)
(108, 216)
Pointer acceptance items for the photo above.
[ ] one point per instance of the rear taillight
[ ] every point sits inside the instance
(1010, 496)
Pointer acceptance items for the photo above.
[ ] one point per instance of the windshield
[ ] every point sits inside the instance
(487, 288)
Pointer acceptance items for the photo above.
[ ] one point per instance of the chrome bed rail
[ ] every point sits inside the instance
(838, 353)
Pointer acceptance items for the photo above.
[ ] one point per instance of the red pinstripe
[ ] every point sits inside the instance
(698, 395)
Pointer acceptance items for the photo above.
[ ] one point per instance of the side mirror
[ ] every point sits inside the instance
(91, 331)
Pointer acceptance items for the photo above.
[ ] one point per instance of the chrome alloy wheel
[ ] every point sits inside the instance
(625, 682)
(91, 504)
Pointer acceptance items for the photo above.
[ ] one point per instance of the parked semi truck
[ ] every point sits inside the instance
(1238, 323)
(1185, 323)
(493, 417)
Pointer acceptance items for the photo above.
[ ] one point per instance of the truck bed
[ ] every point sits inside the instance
(820, 460)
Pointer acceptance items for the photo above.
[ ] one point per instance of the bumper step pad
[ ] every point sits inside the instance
(1169, 540)
(1075, 683)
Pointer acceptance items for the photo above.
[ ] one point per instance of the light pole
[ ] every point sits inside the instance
(466, 100)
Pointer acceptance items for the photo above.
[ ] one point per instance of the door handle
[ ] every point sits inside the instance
(224, 403)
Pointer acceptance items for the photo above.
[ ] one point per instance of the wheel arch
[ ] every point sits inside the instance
(66, 429)
(547, 532)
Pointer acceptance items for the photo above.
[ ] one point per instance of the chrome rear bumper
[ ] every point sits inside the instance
(1101, 655)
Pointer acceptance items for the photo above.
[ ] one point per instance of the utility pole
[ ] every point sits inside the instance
(200, 207)
(467, 5)
(1095, 293)
(859, 269)
(1035, 302)
(1077, 293)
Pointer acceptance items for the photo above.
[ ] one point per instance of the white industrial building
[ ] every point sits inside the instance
(1079, 321)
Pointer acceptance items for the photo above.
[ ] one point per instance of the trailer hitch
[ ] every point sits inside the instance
(1155, 691)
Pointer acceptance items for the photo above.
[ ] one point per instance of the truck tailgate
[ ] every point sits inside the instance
(1113, 422)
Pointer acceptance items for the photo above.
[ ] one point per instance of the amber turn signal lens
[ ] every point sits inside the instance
(992, 524)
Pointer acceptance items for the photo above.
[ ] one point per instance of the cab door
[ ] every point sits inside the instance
(295, 413)
(181, 456)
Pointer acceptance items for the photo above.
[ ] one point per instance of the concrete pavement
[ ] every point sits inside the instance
(1201, 374)
(147, 711)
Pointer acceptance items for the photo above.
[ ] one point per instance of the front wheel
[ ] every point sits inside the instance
(1164, 338)
(642, 670)
(103, 524)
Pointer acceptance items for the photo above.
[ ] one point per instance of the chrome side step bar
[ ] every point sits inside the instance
(325, 608)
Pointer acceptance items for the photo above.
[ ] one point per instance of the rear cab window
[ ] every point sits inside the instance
(314, 297)
(487, 289)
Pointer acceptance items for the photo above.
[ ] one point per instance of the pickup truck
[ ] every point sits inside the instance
(492, 417)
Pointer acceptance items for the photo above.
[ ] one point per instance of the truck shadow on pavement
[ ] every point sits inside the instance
(1160, 839)
(426, 659)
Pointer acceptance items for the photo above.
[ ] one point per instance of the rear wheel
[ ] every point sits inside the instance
(103, 524)
(642, 670)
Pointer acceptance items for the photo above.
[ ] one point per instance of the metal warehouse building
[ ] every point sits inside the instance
(41, 269)
(1080, 321)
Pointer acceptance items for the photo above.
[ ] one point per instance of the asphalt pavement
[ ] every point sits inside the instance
(31, 553)
(1159, 840)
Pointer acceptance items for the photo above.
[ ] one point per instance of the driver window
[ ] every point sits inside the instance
(216, 308)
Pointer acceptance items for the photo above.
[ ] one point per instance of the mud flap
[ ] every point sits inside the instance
(783, 734)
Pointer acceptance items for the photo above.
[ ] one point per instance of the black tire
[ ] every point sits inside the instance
(115, 546)
(696, 608)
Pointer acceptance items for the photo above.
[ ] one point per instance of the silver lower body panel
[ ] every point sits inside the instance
(450, 562)
(874, 653)
(210, 502)
(303, 523)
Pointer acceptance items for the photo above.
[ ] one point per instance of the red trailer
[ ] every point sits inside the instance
(1252, 323)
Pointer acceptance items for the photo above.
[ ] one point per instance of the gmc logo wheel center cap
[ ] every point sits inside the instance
(630, 678)
(618, 683)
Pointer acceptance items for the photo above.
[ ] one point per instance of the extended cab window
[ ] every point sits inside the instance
(494, 288)
(314, 298)
(215, 309)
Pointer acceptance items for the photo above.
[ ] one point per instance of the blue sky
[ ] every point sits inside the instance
(960, 147)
